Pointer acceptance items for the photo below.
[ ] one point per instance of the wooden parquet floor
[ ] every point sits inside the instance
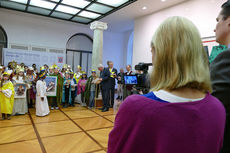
(67, 130)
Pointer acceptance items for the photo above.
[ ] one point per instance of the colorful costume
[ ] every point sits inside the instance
(58, 99)
(66, 97)
(42, 107)
(73, 90)
(20, 104)
(90, 91)
(7, 97)
(31, 90)
(81, 89)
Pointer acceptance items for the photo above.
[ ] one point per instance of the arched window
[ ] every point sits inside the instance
(79, 52)
(3, 42)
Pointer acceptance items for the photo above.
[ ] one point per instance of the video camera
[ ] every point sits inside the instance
(139, 80)
(143, 67)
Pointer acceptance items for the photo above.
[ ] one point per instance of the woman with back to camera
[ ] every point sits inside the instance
(179, 115)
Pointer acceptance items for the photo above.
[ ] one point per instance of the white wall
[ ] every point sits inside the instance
(203, 13)
(126, 43)
(28, 29)
(114, 48)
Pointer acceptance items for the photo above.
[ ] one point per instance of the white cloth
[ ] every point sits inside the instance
(73, 85)
(20, 104)
(42, 107)
(166, 96)
(120, 90)
(7, 93)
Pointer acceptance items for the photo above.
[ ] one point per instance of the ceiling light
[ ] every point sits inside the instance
(89, 14)
(55, 0)
(114, 3)
(76, 3)
(20, 1)
(43, 4)
(163, 0)
(67, 9)
(144, 8)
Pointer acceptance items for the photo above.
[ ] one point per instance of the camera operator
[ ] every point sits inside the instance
(139, 89)
(128, 88)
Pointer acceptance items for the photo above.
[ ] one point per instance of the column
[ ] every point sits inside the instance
(98, 28)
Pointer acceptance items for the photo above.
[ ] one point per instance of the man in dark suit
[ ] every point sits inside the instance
(105, 86)
(113, 75)
(220, 69)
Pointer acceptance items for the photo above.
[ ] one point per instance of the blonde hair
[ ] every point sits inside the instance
(179, 57)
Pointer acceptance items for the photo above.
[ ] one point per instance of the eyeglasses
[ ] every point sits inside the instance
(226, 4)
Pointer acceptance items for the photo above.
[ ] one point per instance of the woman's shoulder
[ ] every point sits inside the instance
(215, 102)
(136, 103)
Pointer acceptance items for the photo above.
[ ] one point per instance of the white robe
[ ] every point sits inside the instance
(42, 107)
(20, 104)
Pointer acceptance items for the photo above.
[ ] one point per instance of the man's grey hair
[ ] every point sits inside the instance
(100, 65)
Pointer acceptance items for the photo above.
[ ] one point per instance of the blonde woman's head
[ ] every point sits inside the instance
(179, 57)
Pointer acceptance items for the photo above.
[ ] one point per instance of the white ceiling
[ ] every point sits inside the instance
(123, 19)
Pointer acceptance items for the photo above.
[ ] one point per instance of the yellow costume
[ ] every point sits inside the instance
(77, 76)
(7, 98)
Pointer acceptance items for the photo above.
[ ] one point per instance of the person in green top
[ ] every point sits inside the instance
(216, 50)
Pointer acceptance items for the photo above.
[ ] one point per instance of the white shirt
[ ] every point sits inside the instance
(166, 96)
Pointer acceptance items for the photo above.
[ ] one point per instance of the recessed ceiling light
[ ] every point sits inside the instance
(89, 14)
(20, 1)
(76, 3)
(67, 9)
(43, 4)
(144, 8)
(163, 0)
(114, 3)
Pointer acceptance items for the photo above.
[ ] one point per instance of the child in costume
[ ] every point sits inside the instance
(32, 86)
(73, 88)
(90, 90)
(42, 106)
(20, 104)
(81, 88)
(78, 74)
(6, 96)
(66, 98)
(60, 79)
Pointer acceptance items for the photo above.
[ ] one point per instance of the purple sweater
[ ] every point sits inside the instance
(143, 125)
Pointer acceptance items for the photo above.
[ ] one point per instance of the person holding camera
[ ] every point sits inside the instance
(128, 88)
(179, 115)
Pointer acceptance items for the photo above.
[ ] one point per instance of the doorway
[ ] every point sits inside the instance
(79, 52)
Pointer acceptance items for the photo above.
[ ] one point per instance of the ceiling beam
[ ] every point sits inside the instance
(55, 7)
(27, 5)
(83, 9)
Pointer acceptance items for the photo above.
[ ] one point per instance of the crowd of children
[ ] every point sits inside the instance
(22, 87)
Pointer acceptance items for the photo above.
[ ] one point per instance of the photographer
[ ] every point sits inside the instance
(128, 88)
